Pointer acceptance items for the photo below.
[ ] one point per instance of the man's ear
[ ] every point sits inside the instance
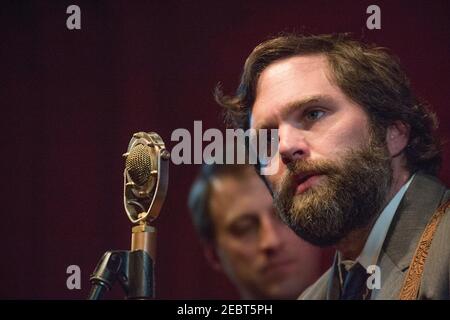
(397, 137)
(209, 250)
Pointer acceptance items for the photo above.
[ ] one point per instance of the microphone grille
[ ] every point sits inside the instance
(139, 164)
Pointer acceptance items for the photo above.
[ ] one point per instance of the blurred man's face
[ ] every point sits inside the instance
(334, 173)
(260, 254)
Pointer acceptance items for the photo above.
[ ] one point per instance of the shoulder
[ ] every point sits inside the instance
(318, 290)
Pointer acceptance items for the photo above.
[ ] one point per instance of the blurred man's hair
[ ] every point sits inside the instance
(368, 75)
(201, 191)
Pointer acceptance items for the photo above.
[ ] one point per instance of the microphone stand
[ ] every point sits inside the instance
(135, 269)
(143, 253)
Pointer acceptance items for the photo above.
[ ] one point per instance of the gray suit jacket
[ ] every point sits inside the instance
(421, 200)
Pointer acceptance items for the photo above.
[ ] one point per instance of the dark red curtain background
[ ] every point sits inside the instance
(71, 100)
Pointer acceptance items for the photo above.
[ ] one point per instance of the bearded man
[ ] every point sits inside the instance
(357, 163)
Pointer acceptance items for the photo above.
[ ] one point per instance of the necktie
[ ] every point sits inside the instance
(355, 287)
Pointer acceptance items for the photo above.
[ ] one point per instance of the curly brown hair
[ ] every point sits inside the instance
(367, 74)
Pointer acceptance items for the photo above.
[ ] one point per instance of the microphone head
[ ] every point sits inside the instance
(145, 177)
(139, 164)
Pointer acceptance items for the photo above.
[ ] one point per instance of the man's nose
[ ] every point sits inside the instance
(270, 238)
(292, 145)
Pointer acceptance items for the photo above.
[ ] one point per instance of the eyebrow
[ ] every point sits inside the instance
(295, 105)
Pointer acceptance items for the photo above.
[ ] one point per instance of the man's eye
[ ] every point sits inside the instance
(314, 115)
(244, 228)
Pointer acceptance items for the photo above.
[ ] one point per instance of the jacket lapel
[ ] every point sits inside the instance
(415, 210)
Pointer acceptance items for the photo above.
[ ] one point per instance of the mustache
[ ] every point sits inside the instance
(300, 167)
(317, 166)
(375, 148)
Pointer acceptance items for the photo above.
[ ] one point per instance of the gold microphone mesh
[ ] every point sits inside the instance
(139, 164)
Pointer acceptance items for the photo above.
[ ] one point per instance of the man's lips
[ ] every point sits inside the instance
(306, 180)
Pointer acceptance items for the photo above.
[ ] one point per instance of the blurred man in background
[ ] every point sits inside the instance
(233, 213)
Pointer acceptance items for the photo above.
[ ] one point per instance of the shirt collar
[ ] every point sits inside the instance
(372, 248)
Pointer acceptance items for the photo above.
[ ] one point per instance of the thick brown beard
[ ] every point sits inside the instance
(350, 197)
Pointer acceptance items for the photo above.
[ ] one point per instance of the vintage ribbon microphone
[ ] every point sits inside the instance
(146, 178)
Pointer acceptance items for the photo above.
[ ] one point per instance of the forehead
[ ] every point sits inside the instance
(292, 79)
(232, 197)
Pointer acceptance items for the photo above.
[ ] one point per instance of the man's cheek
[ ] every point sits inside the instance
(270, 166)
(272, 182)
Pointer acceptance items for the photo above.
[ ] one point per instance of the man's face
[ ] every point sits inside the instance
(260, 254)
(334, 173)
